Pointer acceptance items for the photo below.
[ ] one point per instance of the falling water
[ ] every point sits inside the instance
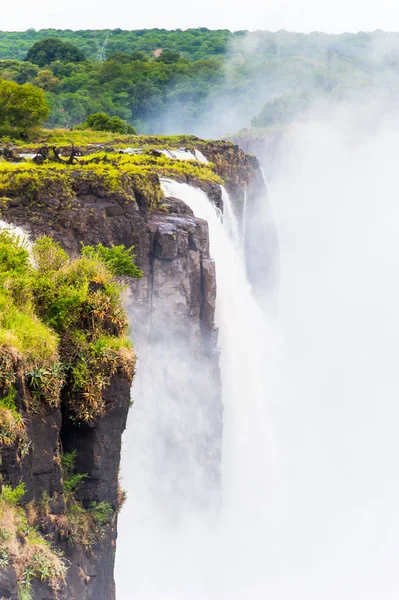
(333, 531)
(335, 197)
(244, 342)
(194, 559)
(20, 234)
(230, 220)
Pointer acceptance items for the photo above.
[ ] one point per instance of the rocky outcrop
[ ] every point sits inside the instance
(172, 310)
(172, 314)
(265, 144)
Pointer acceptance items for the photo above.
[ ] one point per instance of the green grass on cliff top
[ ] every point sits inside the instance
(63, 137)
(109, 169)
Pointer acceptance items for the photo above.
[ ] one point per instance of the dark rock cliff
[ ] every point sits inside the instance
(172, 310)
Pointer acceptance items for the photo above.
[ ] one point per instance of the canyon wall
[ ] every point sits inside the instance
(171, 310)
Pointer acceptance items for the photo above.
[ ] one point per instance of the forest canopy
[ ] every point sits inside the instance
(50, 49)
(196, 81)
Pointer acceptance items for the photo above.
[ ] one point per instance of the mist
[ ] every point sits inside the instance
(308, 507)
(335, 202)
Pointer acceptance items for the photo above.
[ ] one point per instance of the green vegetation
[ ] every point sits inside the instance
(22, 107)
(24, 548)
(119, 260)
(12, 426)
(80, 300)
(26, 343)
(130, 176)
(62, 326)
(102, 122)
(164, 81)
(80, 525)
(51, 49)
(61, 323)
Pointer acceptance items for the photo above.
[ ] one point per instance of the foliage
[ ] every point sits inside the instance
(283, 109)
(22, 107)
(80, 525)
(160, 80)
(81, 301)
(61, 321)
(25, 341)
(168, 57)
(51, 49)
(102, 122)
(119, 260)
(12, 496)
(24, 549)
(12, 426)
(72, 480)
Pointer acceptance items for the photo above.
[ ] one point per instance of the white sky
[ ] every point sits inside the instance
(333, 16)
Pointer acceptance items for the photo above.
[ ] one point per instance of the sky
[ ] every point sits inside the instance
(332, 16)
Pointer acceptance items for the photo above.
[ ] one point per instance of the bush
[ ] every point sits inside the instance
(80, 525)
(119, 260)
(103, 122)
(12, 426)
(24, 548)
(22, 107)
(61, 322)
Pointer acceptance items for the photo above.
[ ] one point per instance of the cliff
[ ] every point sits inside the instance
(115, 199)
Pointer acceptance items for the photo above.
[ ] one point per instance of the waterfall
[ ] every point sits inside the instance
(183, 154)
(24, 239)
(196, 558)
(175, 154)
(244, 342)
(200, 157)
(244, 215)
(230, 220)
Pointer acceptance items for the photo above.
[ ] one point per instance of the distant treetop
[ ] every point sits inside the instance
(51, 49)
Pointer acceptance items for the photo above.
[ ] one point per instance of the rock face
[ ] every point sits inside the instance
(172, 313)
(178, 288)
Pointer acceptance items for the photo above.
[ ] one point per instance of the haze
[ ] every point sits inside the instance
(308, 15)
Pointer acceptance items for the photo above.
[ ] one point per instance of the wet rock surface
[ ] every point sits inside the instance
(172, 314)
(179, 286)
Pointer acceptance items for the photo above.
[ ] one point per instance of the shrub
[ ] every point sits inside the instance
(119, 260)
(72, 480)
(70, 327)
(103, 122)
(12, 426)
(80, 525)
(24, 548)
(22, 107)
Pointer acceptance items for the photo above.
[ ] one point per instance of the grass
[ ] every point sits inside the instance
(61, 324)
(61, 137)
(79, 525)
(23, 548)
(81, 300)
(12, 425)
(134, 177)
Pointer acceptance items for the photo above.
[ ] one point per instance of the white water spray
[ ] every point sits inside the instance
(244, 215)
(21, 236)
(225, 560)
(246, 345)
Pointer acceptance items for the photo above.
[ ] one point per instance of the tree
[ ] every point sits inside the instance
(102, 122)
(169, 57)
(22, 107)
(45, 79)
(51, 49)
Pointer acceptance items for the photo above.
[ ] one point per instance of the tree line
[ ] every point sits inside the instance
(177, 81)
